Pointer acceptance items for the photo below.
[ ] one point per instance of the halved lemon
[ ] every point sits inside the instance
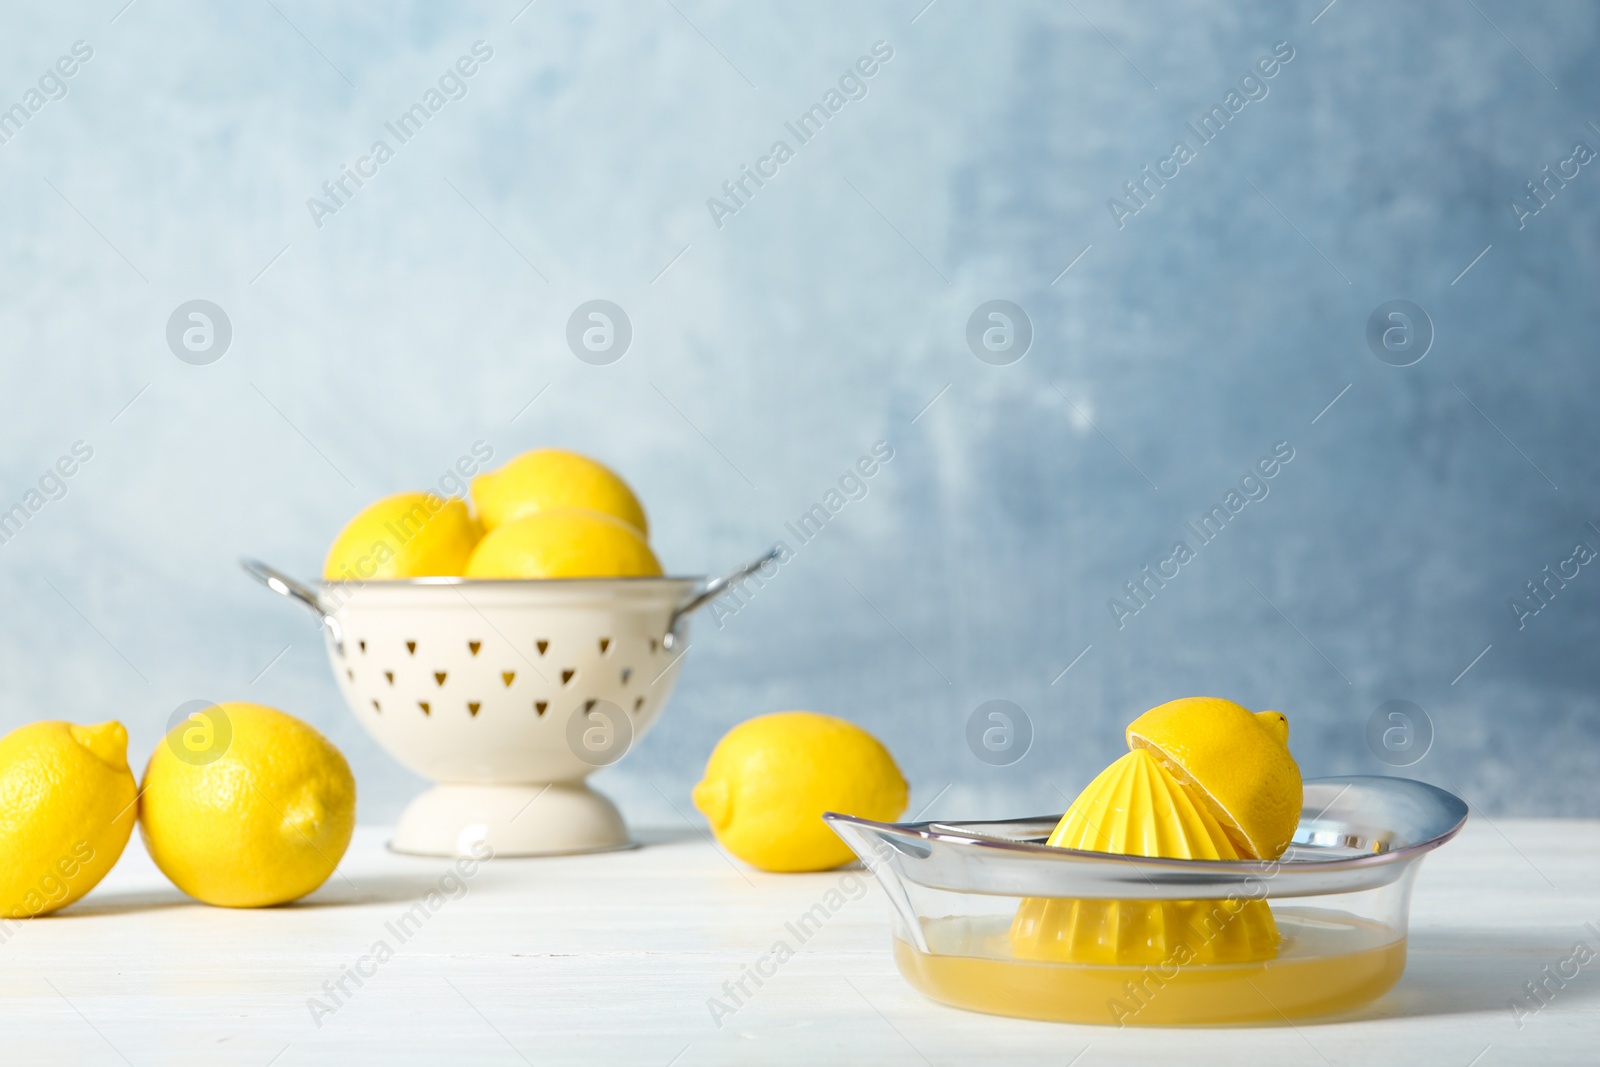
(1237, 760)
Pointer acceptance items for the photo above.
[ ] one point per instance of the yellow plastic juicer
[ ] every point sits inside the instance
(1135, 807)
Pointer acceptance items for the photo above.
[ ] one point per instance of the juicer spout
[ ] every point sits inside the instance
(883, 855)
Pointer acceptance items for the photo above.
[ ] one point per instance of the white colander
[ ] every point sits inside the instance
(508, 694)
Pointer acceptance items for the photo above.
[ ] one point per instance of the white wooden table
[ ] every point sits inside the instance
(614, 959)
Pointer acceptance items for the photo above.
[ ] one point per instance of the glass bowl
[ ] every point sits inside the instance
(1340, 899)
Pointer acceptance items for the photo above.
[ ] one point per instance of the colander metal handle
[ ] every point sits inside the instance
(283, 585)
(711, 590)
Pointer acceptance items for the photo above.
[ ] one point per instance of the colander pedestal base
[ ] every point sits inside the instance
(528, 819)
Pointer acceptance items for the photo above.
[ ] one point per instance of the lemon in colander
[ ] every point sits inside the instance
(408, 535)
(570, 543)
(553, 479)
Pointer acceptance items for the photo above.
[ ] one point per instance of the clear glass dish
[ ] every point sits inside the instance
(1340, 899)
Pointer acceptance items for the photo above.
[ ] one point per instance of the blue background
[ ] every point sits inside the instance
(828, 314)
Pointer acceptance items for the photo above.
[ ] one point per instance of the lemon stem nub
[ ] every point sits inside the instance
(107, 740)
(711, 797)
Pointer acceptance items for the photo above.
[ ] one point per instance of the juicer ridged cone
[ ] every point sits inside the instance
(1136, 808)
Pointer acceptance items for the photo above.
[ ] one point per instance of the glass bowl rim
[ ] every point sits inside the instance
(1452, 810)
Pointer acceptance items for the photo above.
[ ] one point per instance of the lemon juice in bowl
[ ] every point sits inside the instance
(1327, 961)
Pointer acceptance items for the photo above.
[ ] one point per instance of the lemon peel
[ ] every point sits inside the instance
(1238, 761)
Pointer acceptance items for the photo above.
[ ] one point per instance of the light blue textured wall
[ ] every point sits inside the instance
(825, 315)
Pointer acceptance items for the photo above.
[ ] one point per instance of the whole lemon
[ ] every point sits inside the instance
(564, 544)
(549, 479)
(770, 779)
(257, 811)
(66, 811)
(408, 535)
(1238, 760)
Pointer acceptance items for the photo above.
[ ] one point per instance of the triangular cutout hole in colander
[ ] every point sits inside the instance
(627, 672)
(508, 677)
(566, 676)
(473, 646)
(638, 703)
(605, 643)
(363, 645)
(439, 677)
(540, 705)
(541, 645)
(423, 704)
(472, 708)
(389, 675)
(411, 647)
(376, 706)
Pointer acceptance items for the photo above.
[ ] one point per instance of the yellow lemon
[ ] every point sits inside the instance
(1238, 761)
(770, 779)
(244, 806)
(564, 544)
(408, 535)
(66, 811)
(548, 479)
